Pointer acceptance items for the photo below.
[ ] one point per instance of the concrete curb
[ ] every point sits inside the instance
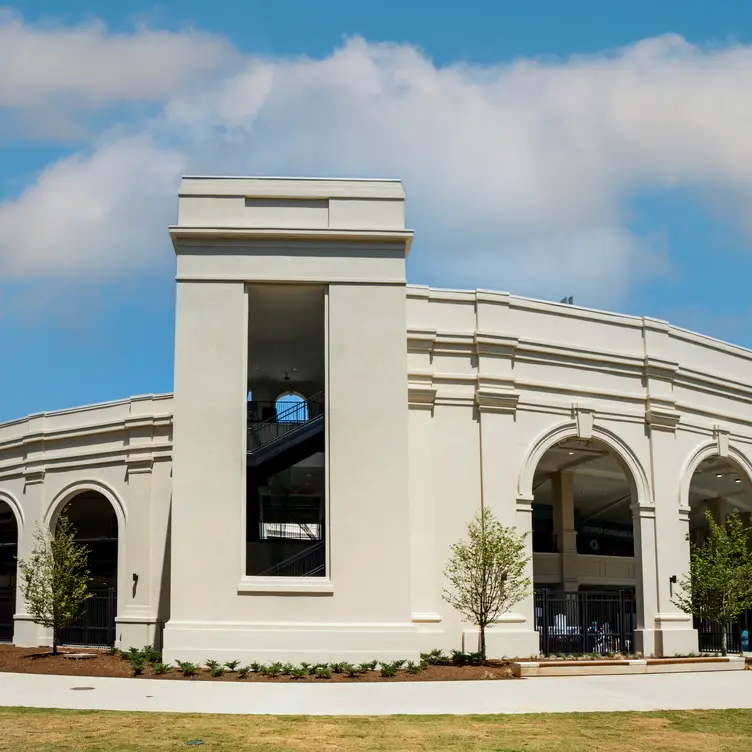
(714, 690)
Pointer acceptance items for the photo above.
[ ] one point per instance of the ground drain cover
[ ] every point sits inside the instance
(81, 688)
(194, 742)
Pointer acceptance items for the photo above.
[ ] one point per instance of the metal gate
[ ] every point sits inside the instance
(95, 625)
(709, 634)
(584, 623)
(7, 607)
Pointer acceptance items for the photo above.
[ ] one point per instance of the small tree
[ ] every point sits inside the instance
(718, 587)
(54, 578)
(486, 573)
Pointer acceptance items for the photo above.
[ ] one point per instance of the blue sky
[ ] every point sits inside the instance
(585, 148)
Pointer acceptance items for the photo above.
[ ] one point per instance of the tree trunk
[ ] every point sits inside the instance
(724, 640)
(54, 641)
(482, 640)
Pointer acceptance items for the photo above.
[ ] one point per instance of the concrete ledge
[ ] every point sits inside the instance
(643, 666)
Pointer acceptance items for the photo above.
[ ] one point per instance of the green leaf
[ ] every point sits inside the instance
(718, 586)
(487, 572)
(55, 577)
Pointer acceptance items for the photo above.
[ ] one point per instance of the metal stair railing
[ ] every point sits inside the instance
(285, 423)
(303, 564)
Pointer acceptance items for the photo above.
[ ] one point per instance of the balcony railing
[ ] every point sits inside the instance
(267, 423)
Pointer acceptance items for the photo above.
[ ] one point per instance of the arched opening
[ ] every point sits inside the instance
(291, 407)
(584, 571)
(96, 525)
(718, 486)
(8, 552)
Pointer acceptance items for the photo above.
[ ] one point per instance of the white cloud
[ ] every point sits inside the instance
(92, 217)
(46, 64)
(517, 175)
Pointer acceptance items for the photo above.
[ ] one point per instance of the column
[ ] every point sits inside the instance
(25, 632)
(208, 462)
(673, 628)
(136, 617)
(564, 529)
(425, 570)
(643, 525)
(514, 633)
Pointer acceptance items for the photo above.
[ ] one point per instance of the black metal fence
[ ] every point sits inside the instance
(584, 623)
(710, 634)
(7, 607)
(95, 625)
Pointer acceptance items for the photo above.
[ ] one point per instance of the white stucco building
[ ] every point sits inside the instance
(333, 429)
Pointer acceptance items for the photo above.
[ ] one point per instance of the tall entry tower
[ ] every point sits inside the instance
(290, 527)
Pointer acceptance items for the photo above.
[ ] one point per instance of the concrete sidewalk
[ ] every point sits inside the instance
(720, 690)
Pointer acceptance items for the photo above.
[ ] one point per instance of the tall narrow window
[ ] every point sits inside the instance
(286, 500)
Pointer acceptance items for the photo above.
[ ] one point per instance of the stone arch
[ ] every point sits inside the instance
(705, 451)
(9, 566)
(97, 623)
(634, 471)
(15, 507)
(73, 489)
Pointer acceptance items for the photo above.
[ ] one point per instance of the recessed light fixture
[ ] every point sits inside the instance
(738, 480)
(719, 475)
(571, 452)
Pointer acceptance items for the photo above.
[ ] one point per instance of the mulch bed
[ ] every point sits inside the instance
(41, 661)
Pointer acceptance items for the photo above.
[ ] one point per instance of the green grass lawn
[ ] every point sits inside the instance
(688, 731)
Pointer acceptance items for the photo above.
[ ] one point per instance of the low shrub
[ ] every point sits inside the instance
(138, 664)
(351, 671)
(112, 651)
(160, 668)
(243, 672)
(217, 671)
(187, 668)
(298, 672)
(435, 658)
(232, 665)
(370, 666)
(412, 667)
(287, 669)
(390, 669)
(273, 670)
(131, 654)
(151, 654)
(323, 672)
(211, 664)
(460, 658)
(475, 659)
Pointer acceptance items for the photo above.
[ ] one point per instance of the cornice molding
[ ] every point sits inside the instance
(500, 345)
(660, 368)
(421, 340)
(497, 396)
(662, 415)
(138, 464)
(643, 509)
(34, 475)
(421, 392)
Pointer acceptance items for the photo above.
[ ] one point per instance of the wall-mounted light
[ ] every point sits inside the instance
(671, 582)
